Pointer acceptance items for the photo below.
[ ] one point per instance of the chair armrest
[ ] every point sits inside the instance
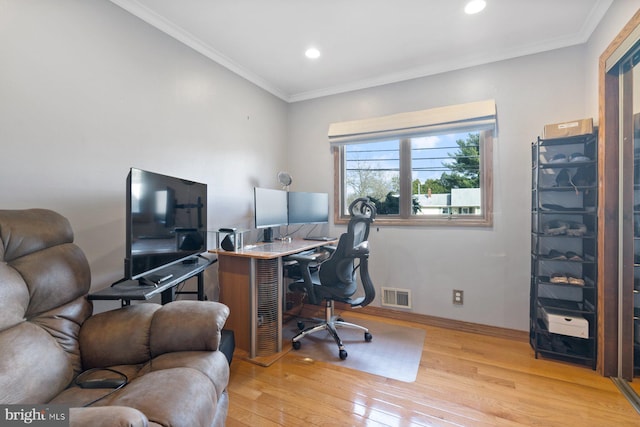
(187, 326)
(127, 336)
(107, 416)
(361, 250)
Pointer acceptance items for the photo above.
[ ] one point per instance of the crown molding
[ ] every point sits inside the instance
(594, 18)
(178, 33)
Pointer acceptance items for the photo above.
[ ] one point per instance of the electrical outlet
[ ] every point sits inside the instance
(458, 297)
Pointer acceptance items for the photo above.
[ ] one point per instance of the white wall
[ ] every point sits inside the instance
(88, 91)
(490, 264)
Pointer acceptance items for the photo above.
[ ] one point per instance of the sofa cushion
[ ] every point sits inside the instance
(178, 397)
(53, 276)
(112, 416)
(31, 230)
(183, 325)
(34, 368)
(212, 364)
(117, 337)
(44, 279)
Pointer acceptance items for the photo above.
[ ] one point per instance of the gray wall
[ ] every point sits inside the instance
(88, 91)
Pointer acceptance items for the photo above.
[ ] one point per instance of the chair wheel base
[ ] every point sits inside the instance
(343, 354)
(296, 345)
(368, 337)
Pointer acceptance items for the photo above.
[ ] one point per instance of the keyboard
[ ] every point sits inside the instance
(320, 238)
(307, 253)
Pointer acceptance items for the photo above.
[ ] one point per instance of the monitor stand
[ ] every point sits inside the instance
(267, 235)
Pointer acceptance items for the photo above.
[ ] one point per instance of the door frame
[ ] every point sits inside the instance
(610, 361)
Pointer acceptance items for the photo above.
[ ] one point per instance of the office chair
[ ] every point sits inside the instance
(335, 278)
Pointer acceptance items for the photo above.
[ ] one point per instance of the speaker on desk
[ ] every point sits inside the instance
(228, 243)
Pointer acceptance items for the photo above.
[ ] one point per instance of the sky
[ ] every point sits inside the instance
(428, 154)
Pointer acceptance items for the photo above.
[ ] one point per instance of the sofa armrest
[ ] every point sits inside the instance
(107, 416)
(134, 334)
(187, 326)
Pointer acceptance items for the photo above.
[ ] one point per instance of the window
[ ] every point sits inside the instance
(435, 172)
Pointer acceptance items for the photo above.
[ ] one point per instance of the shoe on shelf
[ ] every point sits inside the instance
(556, 255)
(584, 176)
(572, 256)
(578, 157)
(575, 281)
(559, 158)
(555, 228)
(576, 229)
(559, 278)
(563, 179)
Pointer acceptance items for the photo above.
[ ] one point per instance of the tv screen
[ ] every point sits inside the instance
(308, 208)
(166, 221)
(270, 207)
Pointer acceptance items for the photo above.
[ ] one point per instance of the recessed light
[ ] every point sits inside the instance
(312, 53)
(474, 6)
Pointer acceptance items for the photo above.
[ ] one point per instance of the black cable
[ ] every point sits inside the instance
(115, 383)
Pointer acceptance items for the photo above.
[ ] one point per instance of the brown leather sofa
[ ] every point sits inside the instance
(175, 373)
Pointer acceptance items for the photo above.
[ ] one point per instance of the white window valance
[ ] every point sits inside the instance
(451, 119)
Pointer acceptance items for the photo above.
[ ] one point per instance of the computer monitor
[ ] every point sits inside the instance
(270, 209)
(308, 208)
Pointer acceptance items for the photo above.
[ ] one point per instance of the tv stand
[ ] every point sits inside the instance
(162, 282)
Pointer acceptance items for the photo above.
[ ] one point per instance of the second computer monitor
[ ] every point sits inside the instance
(308, 208)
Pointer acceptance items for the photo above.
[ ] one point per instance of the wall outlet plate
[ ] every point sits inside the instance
(458, 297)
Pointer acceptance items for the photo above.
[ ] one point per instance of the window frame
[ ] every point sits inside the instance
(405, 217)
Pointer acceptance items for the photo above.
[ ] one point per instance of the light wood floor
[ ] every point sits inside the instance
(465, 379)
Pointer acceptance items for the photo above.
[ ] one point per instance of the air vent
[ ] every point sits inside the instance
(393, 297)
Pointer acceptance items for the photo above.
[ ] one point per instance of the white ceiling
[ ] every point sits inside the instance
(364, 43)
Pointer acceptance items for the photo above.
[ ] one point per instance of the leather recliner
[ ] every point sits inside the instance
(176, 375)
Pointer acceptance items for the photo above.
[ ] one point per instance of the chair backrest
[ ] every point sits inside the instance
(339, 270)
(44, 280)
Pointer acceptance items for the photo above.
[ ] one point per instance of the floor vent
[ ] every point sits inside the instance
(392, 297)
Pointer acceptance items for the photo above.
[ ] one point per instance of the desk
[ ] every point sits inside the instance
(128, 290)
(250, 281)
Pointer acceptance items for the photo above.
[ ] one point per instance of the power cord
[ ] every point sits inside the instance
(91, 383)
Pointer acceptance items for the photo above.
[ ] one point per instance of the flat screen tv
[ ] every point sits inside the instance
(270, 209)
(308, 208)
(166, 222)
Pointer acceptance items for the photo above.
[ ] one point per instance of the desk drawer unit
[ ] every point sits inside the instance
(268, 275)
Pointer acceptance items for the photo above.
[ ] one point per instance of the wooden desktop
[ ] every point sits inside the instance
(251, 285)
